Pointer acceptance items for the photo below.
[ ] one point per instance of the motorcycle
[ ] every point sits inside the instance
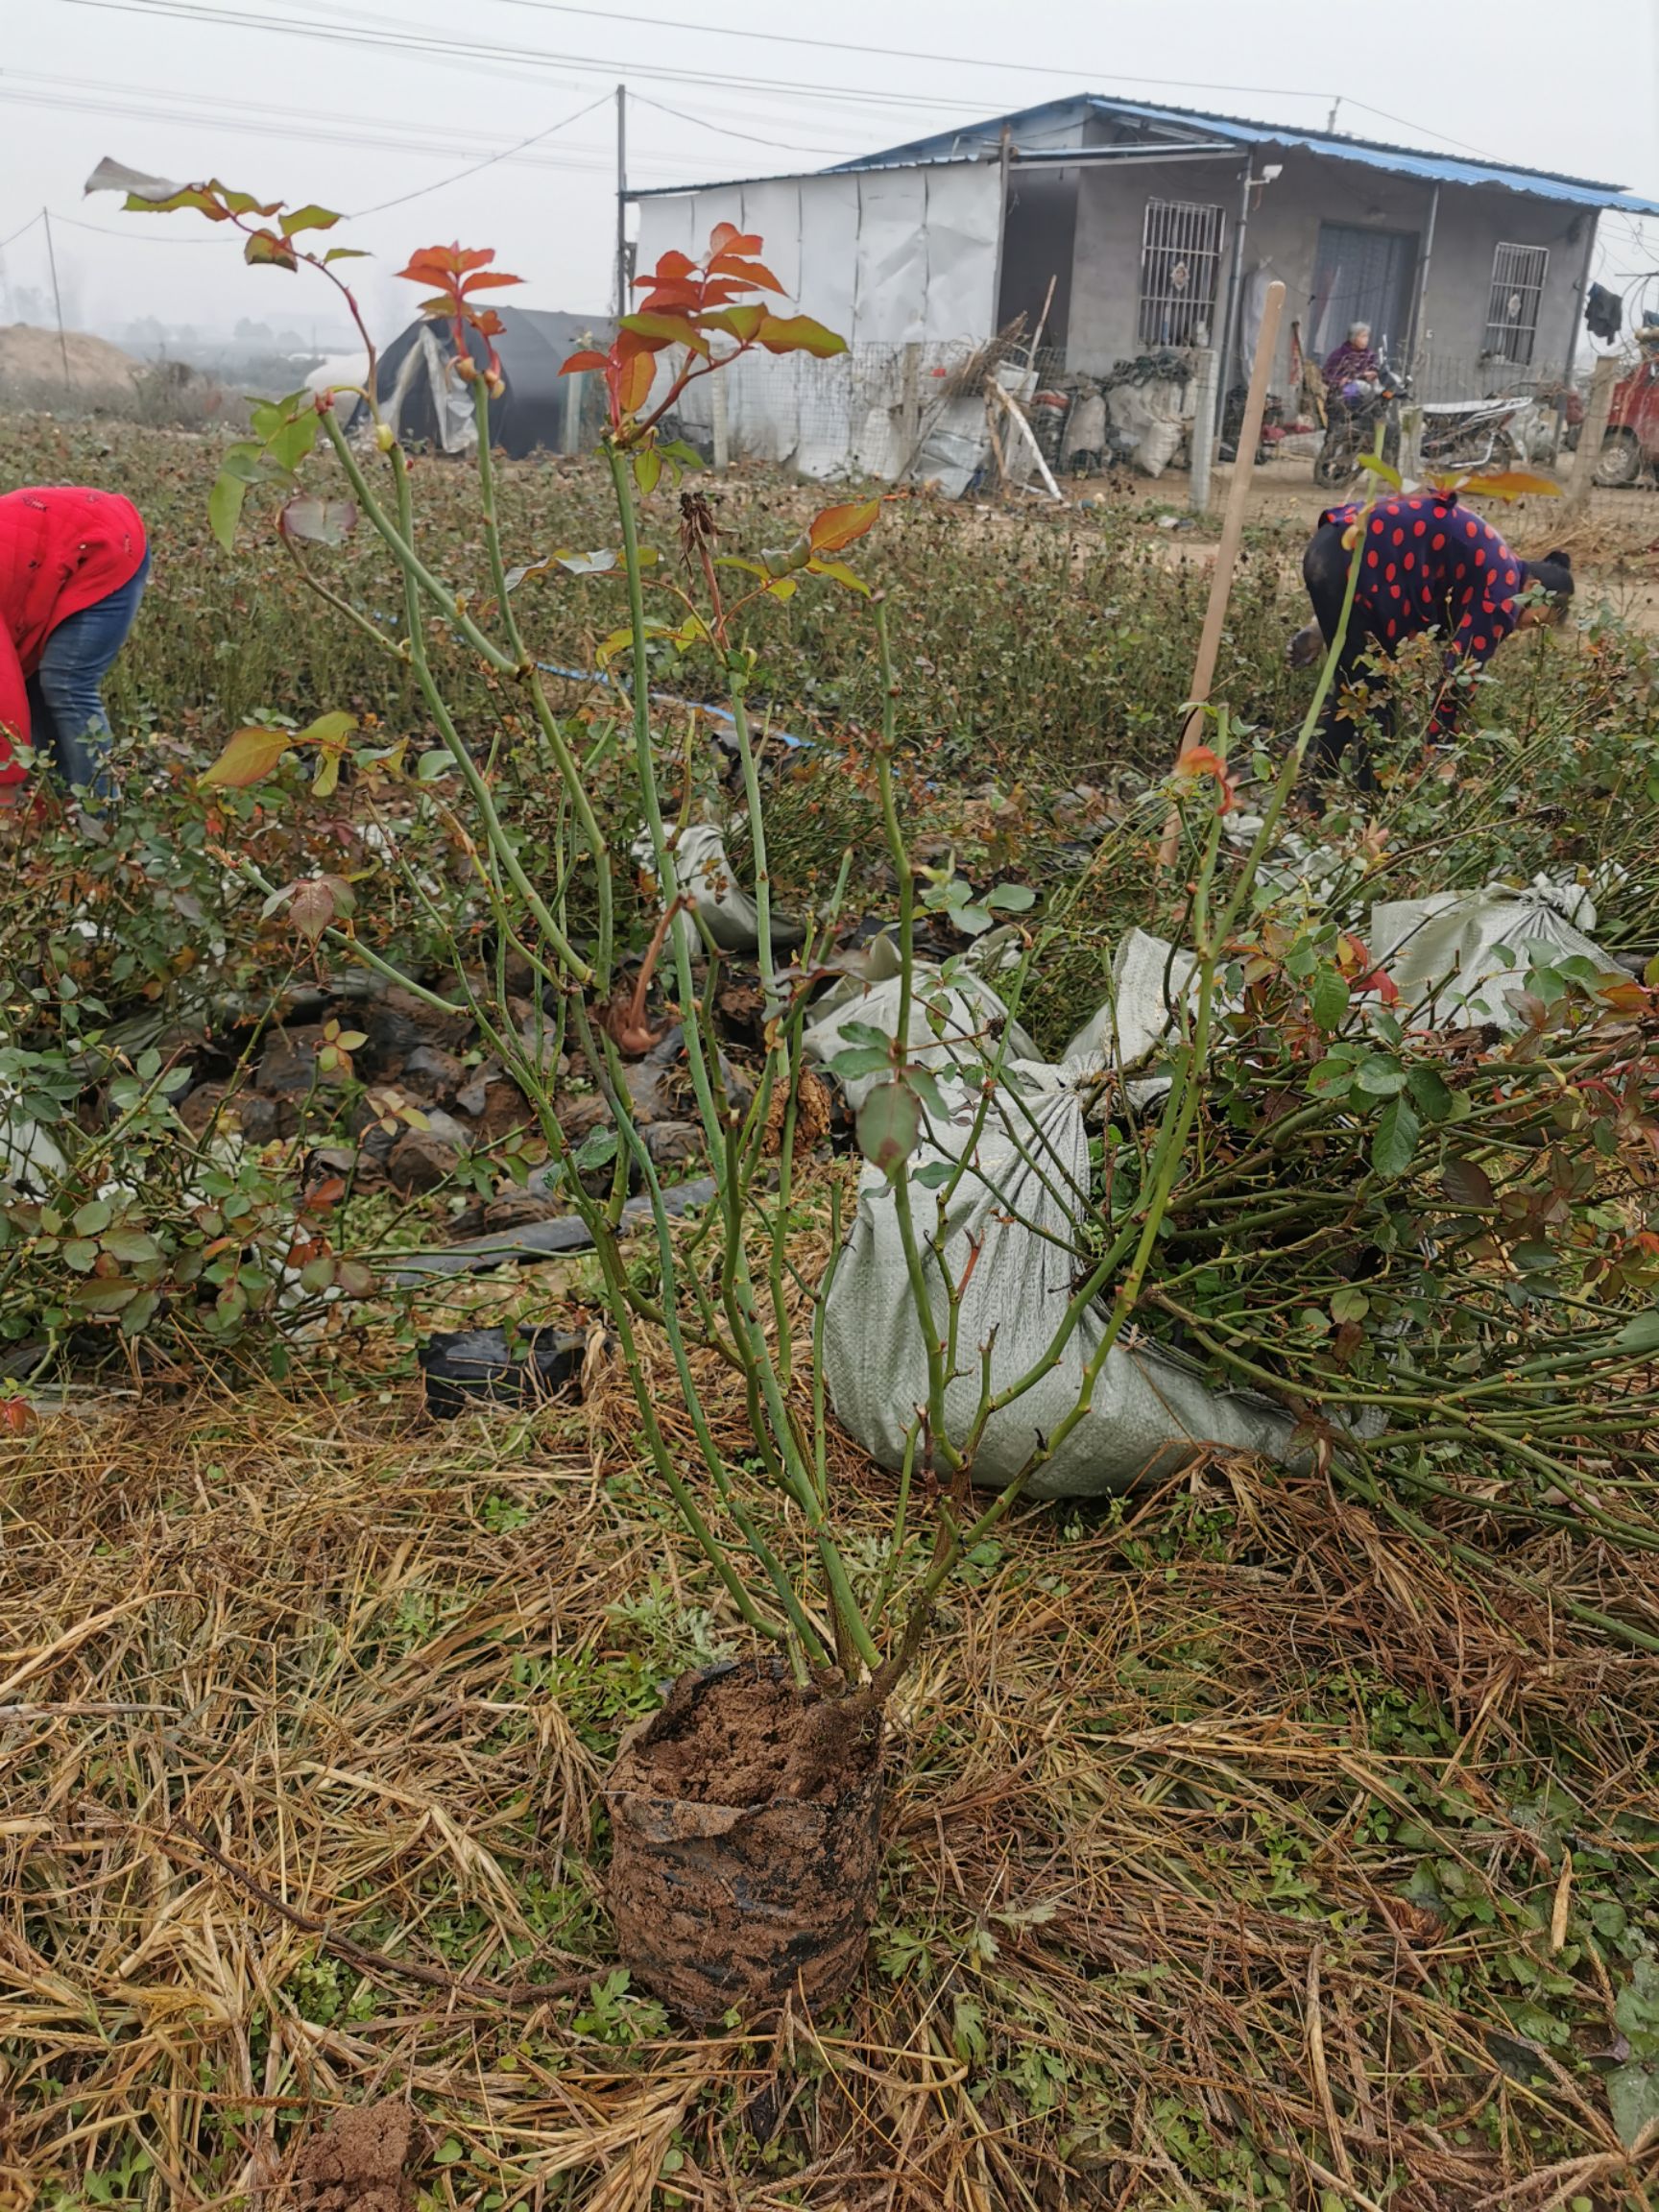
(1475, 433)
(1353, 415)
(1455, 433)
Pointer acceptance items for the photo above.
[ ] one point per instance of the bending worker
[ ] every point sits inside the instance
(73, 566)
(1426, 565)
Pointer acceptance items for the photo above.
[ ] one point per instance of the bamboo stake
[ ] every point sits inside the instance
(1042, 324)
(1231, 530)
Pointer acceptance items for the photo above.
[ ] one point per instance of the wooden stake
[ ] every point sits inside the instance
(1002, 476)
(1017, 416)
(1042, 324)
(721, 425)
(1602, 378)
(1227, 552)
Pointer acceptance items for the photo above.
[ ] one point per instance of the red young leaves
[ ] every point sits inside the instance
(458, 273)
(689, 304)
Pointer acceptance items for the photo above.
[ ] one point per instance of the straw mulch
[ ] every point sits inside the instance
(1243, 1853)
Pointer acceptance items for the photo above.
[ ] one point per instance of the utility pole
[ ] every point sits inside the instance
(1331, 119)
(57, 297)
(621, 200)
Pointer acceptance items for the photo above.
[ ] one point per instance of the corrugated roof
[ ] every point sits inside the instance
(1337, 146)
(1376, 154)
(791, 177)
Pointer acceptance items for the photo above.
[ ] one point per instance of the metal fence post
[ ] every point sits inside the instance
(1203, 430)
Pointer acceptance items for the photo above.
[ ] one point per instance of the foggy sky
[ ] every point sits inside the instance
(315, 116)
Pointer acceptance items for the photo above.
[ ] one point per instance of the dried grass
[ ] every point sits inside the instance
(1145, 1941)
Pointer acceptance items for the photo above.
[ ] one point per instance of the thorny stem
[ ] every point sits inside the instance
(570, 775)
(415, 579)
(394, 536)
(775, 1433)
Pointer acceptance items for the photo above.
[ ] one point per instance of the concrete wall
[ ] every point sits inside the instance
(1111, 220)
(1281, 240)
(1473, 219)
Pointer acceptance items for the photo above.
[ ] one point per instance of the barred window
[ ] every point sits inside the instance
(1180, 268)
(1518, 274)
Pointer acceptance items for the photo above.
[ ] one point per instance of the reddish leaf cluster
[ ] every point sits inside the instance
(457, 272)
(1361, 971)
(1204, 760)
(692, 304)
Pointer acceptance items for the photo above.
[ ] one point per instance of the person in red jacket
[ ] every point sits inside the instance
(73, 566)
(1426, 565)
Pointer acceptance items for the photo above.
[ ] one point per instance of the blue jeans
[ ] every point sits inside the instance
(66, 701)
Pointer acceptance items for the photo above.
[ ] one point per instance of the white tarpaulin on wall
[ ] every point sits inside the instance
(888, 258)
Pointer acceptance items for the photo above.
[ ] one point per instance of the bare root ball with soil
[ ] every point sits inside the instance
(746, 1816)
(359, 2162)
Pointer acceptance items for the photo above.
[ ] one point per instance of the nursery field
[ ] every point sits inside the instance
(1280, 1831)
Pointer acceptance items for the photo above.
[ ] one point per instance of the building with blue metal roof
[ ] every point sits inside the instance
(1126, 227)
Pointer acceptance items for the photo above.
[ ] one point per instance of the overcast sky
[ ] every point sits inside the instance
(299, 100)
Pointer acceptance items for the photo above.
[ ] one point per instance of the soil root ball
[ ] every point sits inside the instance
(747, 1825)
(357, 2163)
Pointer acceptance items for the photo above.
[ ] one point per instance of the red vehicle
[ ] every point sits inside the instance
(1631, 443)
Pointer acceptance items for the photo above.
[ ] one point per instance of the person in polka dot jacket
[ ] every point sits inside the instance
(1425, 564)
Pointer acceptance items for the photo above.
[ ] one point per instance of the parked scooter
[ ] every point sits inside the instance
(1353, 417)
(1455, 433)
(1475, 433)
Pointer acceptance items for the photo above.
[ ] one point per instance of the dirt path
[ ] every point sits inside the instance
(1614, 544)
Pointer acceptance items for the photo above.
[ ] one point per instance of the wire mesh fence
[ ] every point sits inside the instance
(892, 410)
(1440, 376)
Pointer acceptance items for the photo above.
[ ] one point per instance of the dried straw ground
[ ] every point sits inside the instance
(303, 1708)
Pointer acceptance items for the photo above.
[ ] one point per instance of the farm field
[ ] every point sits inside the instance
(1282, 1832)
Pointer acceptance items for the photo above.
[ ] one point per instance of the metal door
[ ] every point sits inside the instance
(1361, 276)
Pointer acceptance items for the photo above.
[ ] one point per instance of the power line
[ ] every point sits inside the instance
(138, 237)
(254, 123)
(337, 29)
(281, 122)
(727, 130)
(434, 46)
(21, 230)
(488, 162)
(248, 119)
(903, 53)
(1426, 130)
(970, 62)
(72, 92)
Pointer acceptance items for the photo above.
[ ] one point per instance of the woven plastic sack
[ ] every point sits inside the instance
(1151, 979)
(1084, 429)
(1155, 415)
(1456, 957)
(1011, 1232)
(704, 875)
(953, 1026)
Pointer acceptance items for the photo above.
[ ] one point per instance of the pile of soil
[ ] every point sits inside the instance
(33, 358)
(742, 1739)
(357, 2163)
